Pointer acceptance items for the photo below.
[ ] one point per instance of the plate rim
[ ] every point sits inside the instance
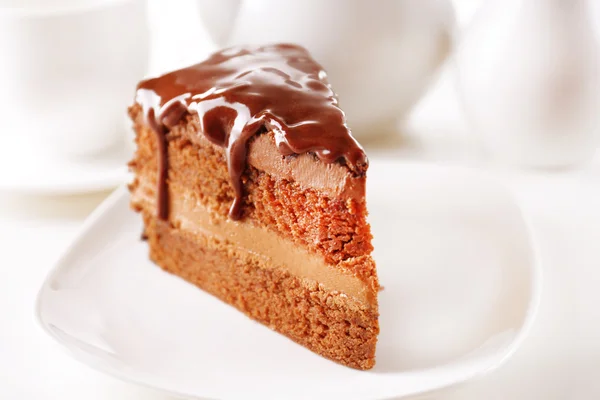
(102, 178)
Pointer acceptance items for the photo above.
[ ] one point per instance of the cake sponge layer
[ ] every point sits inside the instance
(329, 323)
(335, 228)
(326, 221)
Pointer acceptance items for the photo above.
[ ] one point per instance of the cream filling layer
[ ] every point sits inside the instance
(277, 251)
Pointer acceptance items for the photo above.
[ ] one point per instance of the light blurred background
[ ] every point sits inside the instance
(505, 86)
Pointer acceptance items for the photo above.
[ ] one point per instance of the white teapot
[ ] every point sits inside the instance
(379, 54)
(529, 71)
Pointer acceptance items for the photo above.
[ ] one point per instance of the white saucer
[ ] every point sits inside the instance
(456, 258)
(28, 170)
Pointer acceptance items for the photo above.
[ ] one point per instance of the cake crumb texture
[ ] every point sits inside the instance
(328, 323)
(334, 228)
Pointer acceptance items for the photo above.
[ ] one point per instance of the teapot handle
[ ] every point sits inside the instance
(218, 18)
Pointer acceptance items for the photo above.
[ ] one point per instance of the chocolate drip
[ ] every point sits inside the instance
(163, 165)
(240, 91)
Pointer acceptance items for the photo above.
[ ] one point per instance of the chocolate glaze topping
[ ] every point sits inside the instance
(242, 91)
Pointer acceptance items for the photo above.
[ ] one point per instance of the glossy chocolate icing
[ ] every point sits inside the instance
(242, 91)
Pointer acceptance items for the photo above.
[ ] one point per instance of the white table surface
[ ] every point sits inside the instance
(559, 360)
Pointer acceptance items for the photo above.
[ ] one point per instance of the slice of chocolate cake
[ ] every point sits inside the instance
(251, 187)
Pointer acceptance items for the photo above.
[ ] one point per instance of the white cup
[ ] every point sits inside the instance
(68, 70)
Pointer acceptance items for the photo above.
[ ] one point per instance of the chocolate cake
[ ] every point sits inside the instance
(252, 187)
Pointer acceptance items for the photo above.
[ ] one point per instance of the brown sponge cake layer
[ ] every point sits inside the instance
(329, 323)
(334, 227)
(328, 305)
(188, 214)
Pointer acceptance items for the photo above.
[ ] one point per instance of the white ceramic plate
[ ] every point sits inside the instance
(453, 252)
(29, 170)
